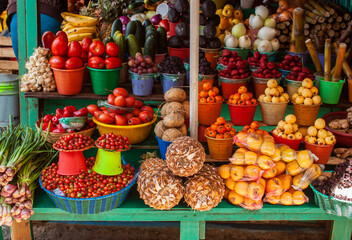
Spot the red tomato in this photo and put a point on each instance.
(112, 63)
(57, 62)
(97, 48)
(90, 55)
(134, 121)
(147, 108)
(74, 49)
(97, 114)
(120, 92)
(70, 109)
(165, 24)
(59, 47)
(73, 63)
(92, 108)
(120, 120)
(112, 115)
(112, 49)
(106, 118)
(84, 57)
(146, 116)
(136, 112)
(96, 62)
(86, 43)
(129, 115)
(63, 35)
(130, 101)
(120, 101)
(111, 99)
(59, 113)
(138, 104)
(67, 114)
(47, 39)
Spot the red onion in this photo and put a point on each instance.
(7, 190)
(125, 20)
(156, 19)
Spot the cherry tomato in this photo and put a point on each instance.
(63, 35)
(120, 120)
(85, 44)
(112, 49)
(47, 39)
(96, 62)
(138, 104)
(146, 116)
(57, 62)
(111, 99)
(147, 108)
(112, 63)
(97, 48)
(120, 101)
(59, 47)
(130, 101)
(73, 63)
(74, 49)
(106, 118)
(120, 91)
(134, 121)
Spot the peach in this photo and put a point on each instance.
(286, 96)
(236, 172)
(320, 141)
(252, 172)
(322, 133)
(283, 147)
(255, 191)
(226, 194)
(254, 142)
(275, 99)
(268, 138)
(291, 137)
(286, 181)
(238, 158)
(241, 188)
(299, 198)
(288, 155)
(293, 168)
(283, 99)
(290, 119)
(261, 97)
(242, 150)
(272, 199)
(235, 198)
(280, 167)
(267, 98)
(311, 140)
(277, 155)
(262, 182)
(300, 181)
(307, 93)
(307, 83)
(294, 97)
(281, 89)
(274, 186)
(330, 140)
(230, 183)
(265, 162)
(286, 199)
(269, 173)
(250, 158)
(268, 148)
(298, 135)
(224, 171)
(295, 127)
(314, 91)
(304, 158)
(267, 91)
(303, 130)
(300, 90)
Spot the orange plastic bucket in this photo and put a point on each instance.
(323, 152)
(201, 132)
(220, 149)
(230, 86)
(69, 82)
(204, 79)
(179, 52)
(71, 163)
(242, 114)
(208, 113)
(212, 56)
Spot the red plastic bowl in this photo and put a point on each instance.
(294, 144)
(342, 139)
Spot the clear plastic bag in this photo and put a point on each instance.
(246, 203)
(252, 190)
(259, 143)
(278, 185)
(302, 180)
(277, 170)
(240, 173)
(290, 198)
(245, 157)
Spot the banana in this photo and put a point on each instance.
(65, 14)
(96, 39)
(67, 27)
(80, 22)
(79, 36)
(81, 30)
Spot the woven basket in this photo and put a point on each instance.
(53, 137)
(92, 205)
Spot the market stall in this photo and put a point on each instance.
(225, 117)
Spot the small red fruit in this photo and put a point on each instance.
(120, 101)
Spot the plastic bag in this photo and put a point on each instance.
(263, 144)
(240, 173)
(289, 198)
(252, 190)
(245, 157)
(246, 203)
(302, 180)
(277, 170)
(304, 160)
(278, 185)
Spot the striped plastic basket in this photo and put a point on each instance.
(91, 205)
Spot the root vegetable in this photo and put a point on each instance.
(174, 120)
(186, 107)
(183, 130)
(159, 129)
(171, 134)
(163, 109)
(174, 107)
(175, 95)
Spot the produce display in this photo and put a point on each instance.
(307, 94)
(142, 64)
(257, 60)
(299, 74)
(289, 63)
(220, 130)
(209, 94)
(266, 70)
(172, 65)
(97, 50)
(242, 97)
(274, 93)
(236, 68)
(288, 128)
(111, 142)
(254, 128)
(73, 142)
(204, 66)
(318, 135)
(210, 20)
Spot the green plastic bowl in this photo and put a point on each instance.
(243, 53)
(104, 81)
(330, 92)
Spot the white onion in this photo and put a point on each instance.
(231, 41)
(270, 22)
(262, 11)
(245, 42)
(265, 46)
(256, 22)
(266, 33)
(256, 43)
(275, 44)
(238, 30)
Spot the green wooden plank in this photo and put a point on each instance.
(202, 230)
(341, 230)
(189, 230)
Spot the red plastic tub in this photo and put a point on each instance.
(230, 86)
(323, 152)
(242, 114)
(342, 139)
(294, 144)
(201, 132)
(172, 27)
(179, 52)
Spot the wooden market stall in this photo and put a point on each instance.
(192, 223)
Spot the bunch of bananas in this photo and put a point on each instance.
(78, 27)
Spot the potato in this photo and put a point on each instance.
(171, 134)
(175, 107)
(186, 108)
(163, 110)
(159, 129)
(175, 95)
(183, 129)
(174, 120)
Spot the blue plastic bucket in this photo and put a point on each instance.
(162, 146)
(9, 99)
(142, 84)
(304, 56)
(187, 73)
(322, 60)
(284, 73)
(172, 80)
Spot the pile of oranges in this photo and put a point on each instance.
(242, 97)
(209, 94)
(220, 129)
(254, 128)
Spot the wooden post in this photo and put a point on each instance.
(194, 68)
(21, 231)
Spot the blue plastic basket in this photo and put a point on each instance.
(162, 146)
(91, 205)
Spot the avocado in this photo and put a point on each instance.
(173, 16)
(209, 8)
(186, 17)
(186, 42)
(214, 20)
(202, 19)
(182, 30)
(214, 43)
(181, 6)
(174, 42)
(203, 42)
(209, 31)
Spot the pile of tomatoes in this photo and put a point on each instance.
(111, 142)
(254, 128)
(242, 97)
(87, 184)
(209, 94)
(220, 129)
(135, 114)
(101, 56)
(73, 142)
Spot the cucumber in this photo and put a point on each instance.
(133, 46)
(150, 46)
(162, 40)
(140, 33)
(108, 39)
(130, 28)
(150, 27)
(120, 40)
(151, 31)
(146, 23)
(116, 26)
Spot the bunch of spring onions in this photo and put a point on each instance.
(24, 153)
